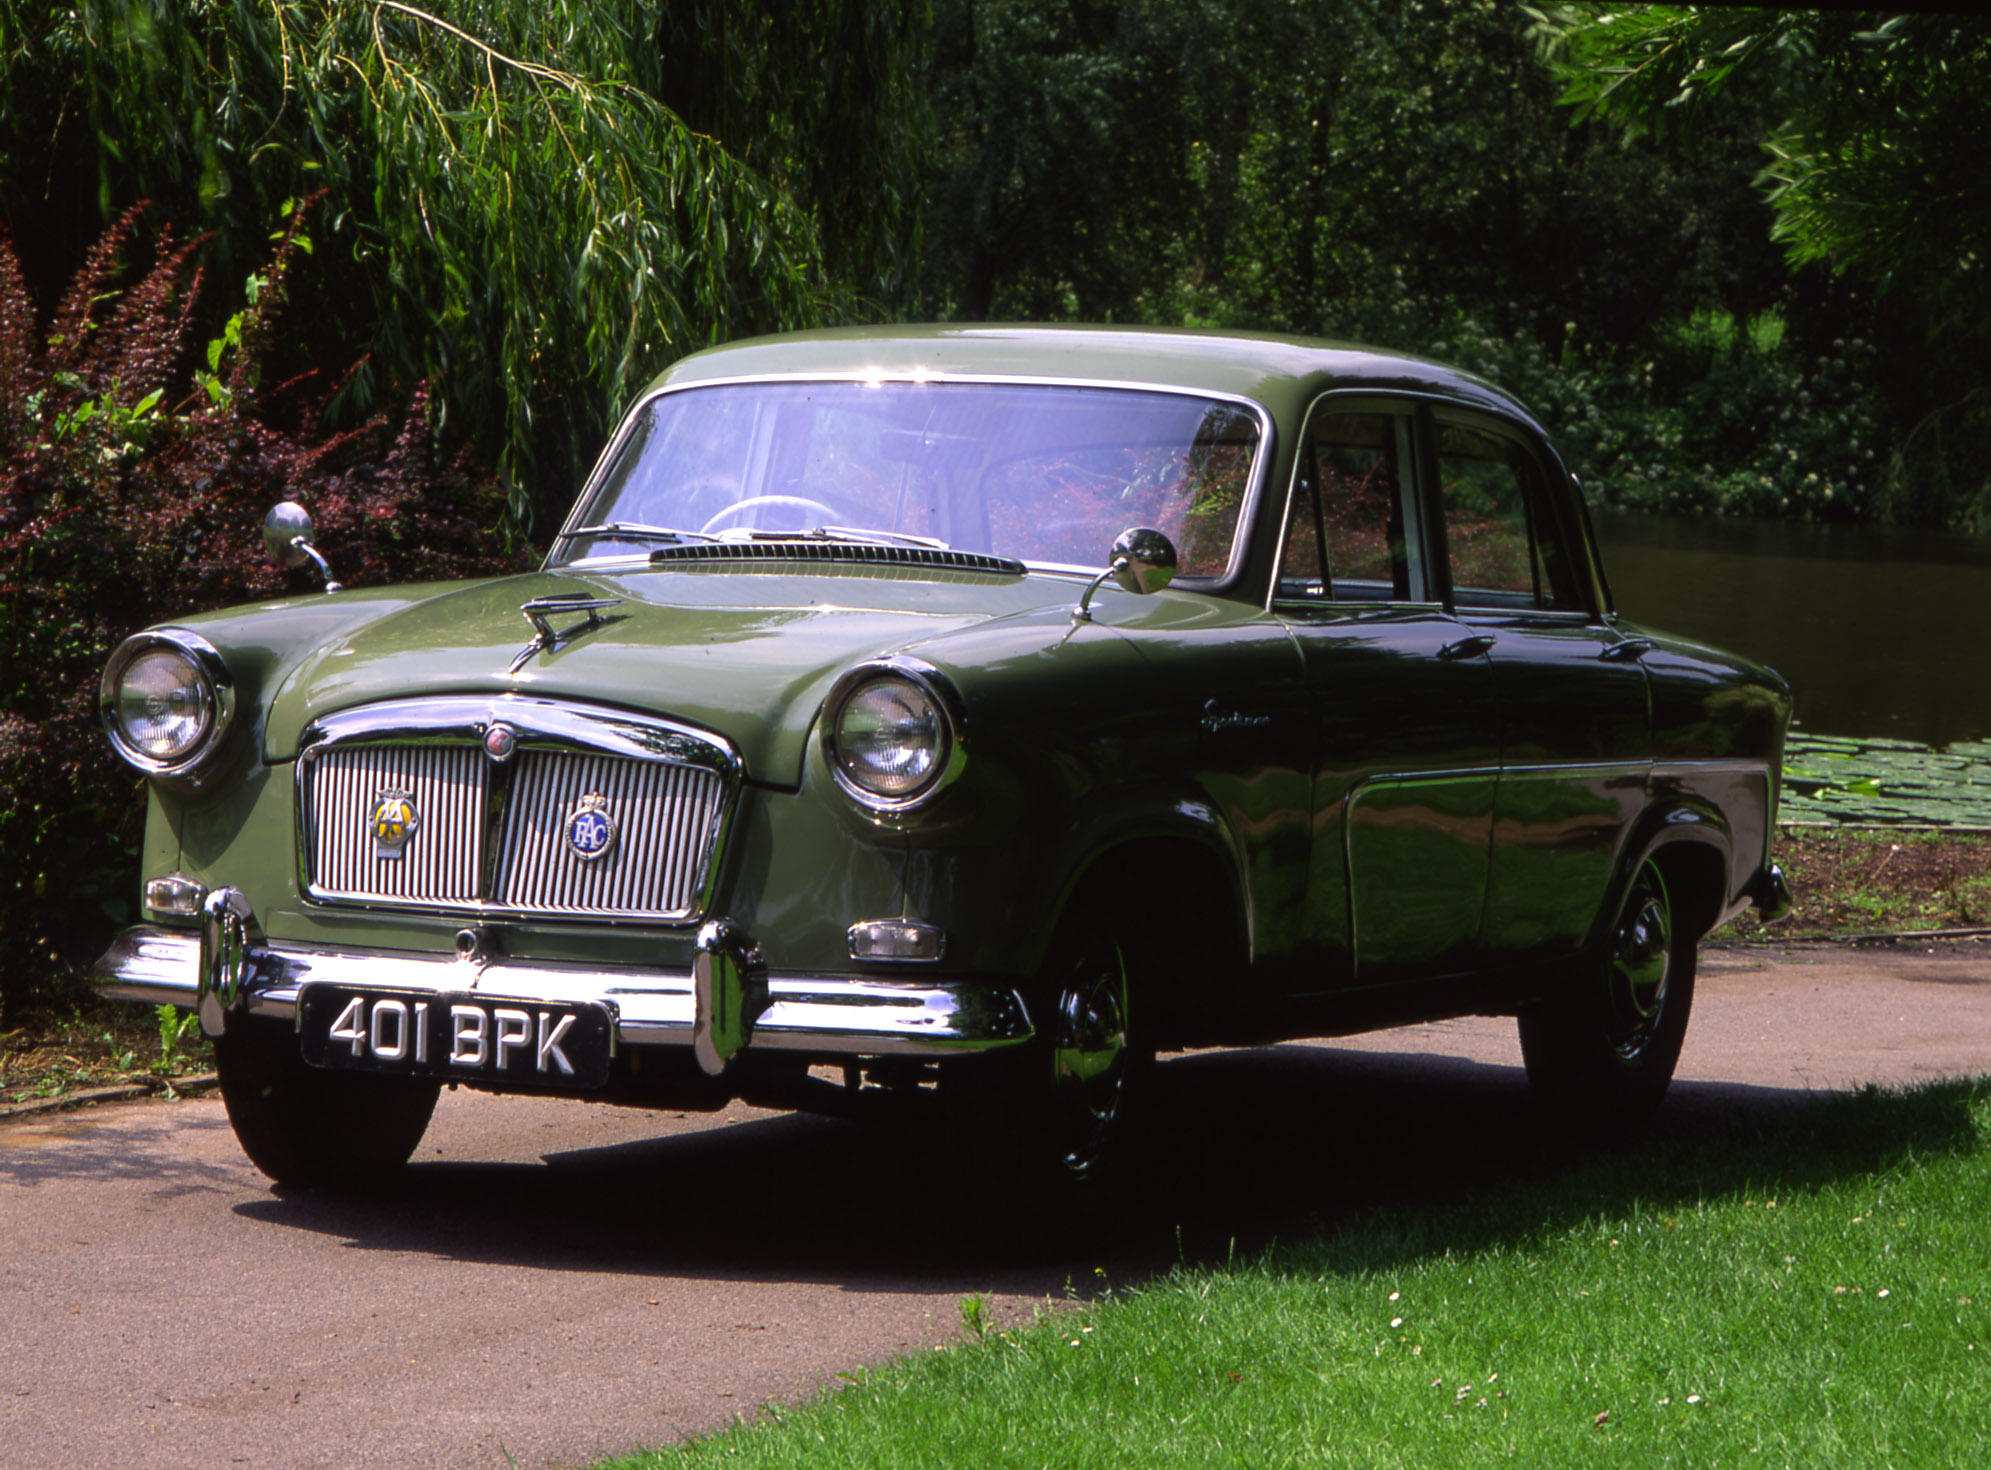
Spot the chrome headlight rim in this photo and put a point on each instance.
(937, 692)
(217, 696)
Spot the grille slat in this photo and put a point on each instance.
(436, 863)
(666, 816)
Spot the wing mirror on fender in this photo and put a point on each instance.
(287, 531)
(1143, 561)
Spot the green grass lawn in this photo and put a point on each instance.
(1808, 1286)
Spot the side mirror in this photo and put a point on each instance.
(1143, 561)
(287, 532)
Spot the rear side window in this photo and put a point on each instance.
(1501, 537)
(1346, 538)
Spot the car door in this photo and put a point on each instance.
(1574, 717)
(1400, 704)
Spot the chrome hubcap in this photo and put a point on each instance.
(1089, 1059)
(1641, 960)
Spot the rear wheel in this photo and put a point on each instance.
(1610, 1045)
(304, 1126)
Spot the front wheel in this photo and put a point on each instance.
(304, 1126)
(1044, 1130)
(1609, 1045)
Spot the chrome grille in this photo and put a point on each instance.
(664, 816)
(492, 834)
(438, 863)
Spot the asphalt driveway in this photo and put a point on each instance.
(557, 1281)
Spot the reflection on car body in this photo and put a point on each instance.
(983, 707)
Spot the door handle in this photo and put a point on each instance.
(1630, 649)
(1471, 647)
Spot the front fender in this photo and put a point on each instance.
(1000, 902)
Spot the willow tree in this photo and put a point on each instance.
(532, 204)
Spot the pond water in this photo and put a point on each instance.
(1880, 632)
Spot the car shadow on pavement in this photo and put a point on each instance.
(1242, 1149)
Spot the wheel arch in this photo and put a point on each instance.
(1177, 905)
(1691, 843)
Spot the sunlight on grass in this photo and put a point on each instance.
(1800, 1288)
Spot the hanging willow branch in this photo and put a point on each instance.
(513, 207)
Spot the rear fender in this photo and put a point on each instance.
(1691, 840)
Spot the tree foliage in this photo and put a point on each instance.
(1411, 174)
(131, 487)
(515, 207)
(535, 207)
(1400, 174)
(1349, 168)
(1874, 127)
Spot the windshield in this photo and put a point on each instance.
(1043, 474)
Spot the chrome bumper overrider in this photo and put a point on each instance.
(724, 1006)
(1771, 893)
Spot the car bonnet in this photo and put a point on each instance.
(746, 656)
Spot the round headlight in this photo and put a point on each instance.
(889, 739)
(166, 700)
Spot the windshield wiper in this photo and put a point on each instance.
(633, 531)
(862, 537)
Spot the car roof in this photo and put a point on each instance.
(1277, 371)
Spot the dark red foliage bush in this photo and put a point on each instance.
(135, 470)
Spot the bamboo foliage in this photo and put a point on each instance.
(510, 207)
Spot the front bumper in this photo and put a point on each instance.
(723, 1006)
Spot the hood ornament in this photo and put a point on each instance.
(541, 611)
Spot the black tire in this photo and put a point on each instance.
(1606, 1048)
(1043, 1133)
(306, 1127)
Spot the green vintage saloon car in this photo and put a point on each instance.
(961, 709)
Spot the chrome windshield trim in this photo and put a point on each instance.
(1255, 482)
(806, 551)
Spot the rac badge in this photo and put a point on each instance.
(392, 821)
(590, 830)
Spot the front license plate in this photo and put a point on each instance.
(459, 1037)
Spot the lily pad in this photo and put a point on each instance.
(1838, 778)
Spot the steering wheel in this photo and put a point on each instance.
(703, 490)
(754, 502)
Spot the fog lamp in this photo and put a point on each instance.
(175, 896)
(896, 940)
